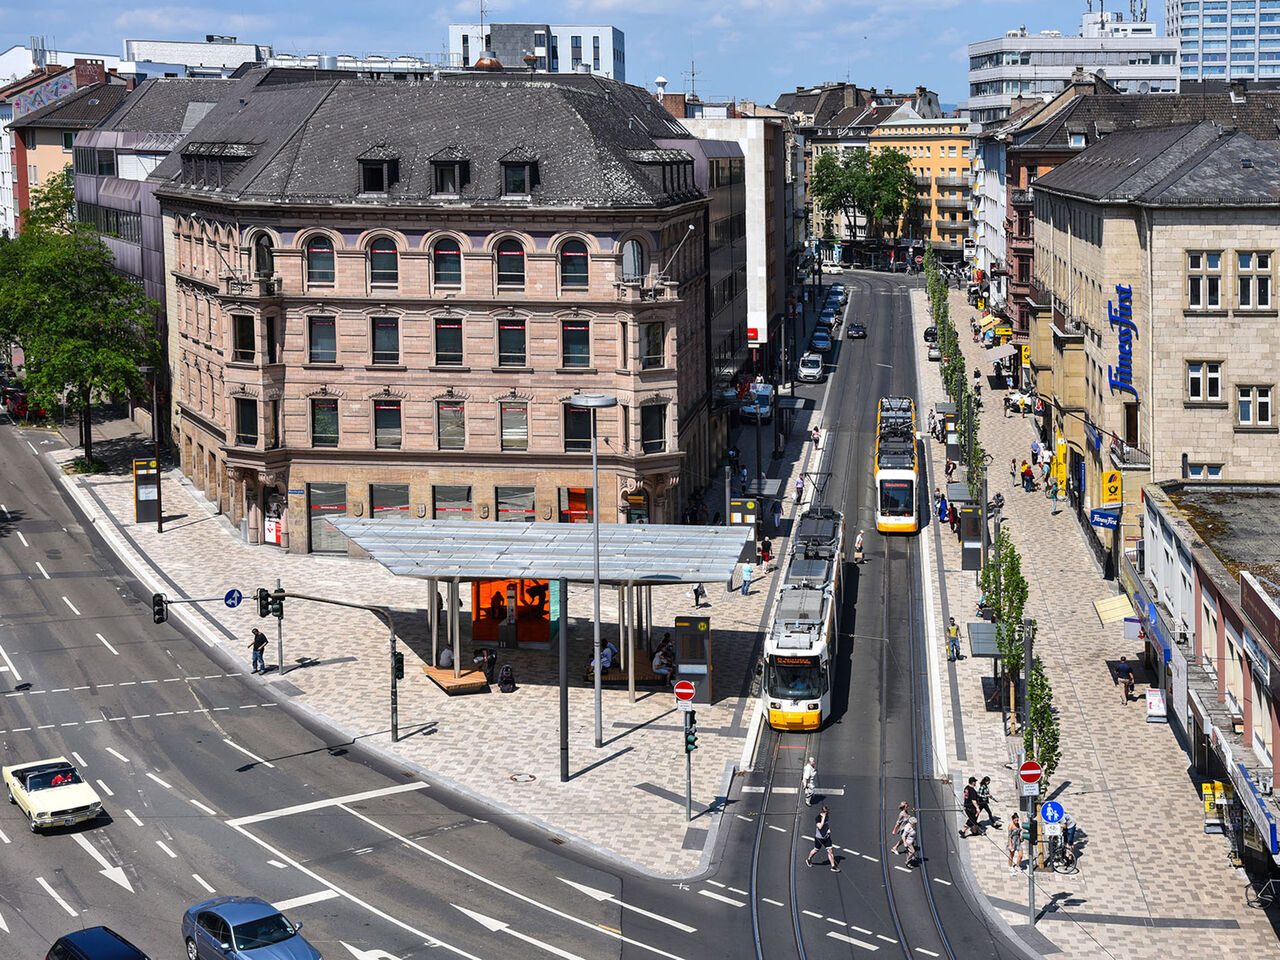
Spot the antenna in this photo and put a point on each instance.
(691, 81)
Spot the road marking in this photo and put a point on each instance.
(853, 940)
(786, 789)
(716, 883)
(131, 816)
(499, 926)
(4, 837)
(115, 874)
(860, 929)
(602, 895)
(4, 926)
(9, 663)
(152, 776)
(903, 869)
(128, 683)
(37, 453)
(105, 789)
(23, 539)
(161, 845)
(167, 713)
(927, 953)
(752, 789)
(40, 567)
(772, 826)
(71, 605)
(277, 864)
(741, 817)
(145, 682)
(715, 896)
(322, 804)
(53, 893)
(811, 913)
(306, 900)
(251, 756)
(5, 510)
(200, 880)
(200, 806)
(776, 903)
(866, 857)
(940, 880)
(78, 759)
(736, 890)
(881, 936)
(107, 645)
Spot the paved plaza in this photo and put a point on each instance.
(1151, 882)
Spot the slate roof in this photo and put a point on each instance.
(799, 101)
(163, 105)
(306, 137)
(85, 108)
(1185, 165)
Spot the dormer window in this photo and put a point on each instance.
(379, 176)
(519, 173)
(451, 176)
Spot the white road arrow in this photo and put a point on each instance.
(115, 874)
(497, 926)
(368, 954)
(602, 895)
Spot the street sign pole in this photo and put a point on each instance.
(279, 636)
(688, 775)
(1028, 640)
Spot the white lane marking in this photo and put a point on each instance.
(107, 645)
(321, 804)
(501, 926)
(903, 869)
(37, 453)
(5, 510)
(306, 900)
(811, 913)
(40, 567)
(716, 883)
(940, 880)
(860, 929)
(439, 858)
(786, 789)
(131, 816)
(118, 756)
(145, 682)
(23, 539)
(71, 605)
(838, 923)
(881, 936)
(927, 953)
(776, 903)
(152, 776)
(115, 874)
(4, 926)
(128, 683)
(715, 896)
(252, 756)
(161, 845)
(4, 837)
(774, 827)
(9, 663)
(853, 940)
(866, 857)
(200, 806)
(602, 895)
(736, 890)
(78, 759)
(105, 789)
(752, 789)
(200, 880)
(277, 864)
(57, 899)
(741, 817)
(430, 940)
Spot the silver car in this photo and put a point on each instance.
(242, 928)
(811, 368)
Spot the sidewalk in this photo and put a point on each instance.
(1151, 882)
(626, 799)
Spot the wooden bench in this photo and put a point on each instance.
(644, 675)
(470, 681)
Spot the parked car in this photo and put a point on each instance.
(51, 793)
(820, 341)
(934, 352)
(838, 287)
(832, 268)
(930, 334)
(828, 319)
(811, 369)
(857, 331)
(242, 928)
(94, 943)
(758, 404)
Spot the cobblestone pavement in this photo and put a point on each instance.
(627, 798)
(1151, 882)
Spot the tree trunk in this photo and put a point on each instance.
(86, 426)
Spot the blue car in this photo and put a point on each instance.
(242, 928)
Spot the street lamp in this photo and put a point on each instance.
(149, 371)
(594, 402)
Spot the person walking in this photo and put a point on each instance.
(815, 435)
(970, 804)
(933, 424)
(985, 800)
(857, 548)
(776, 515)
(746, 579)
(1015, 844)
(950, 469)
(766, 552)
(258, 645)
(1013, 471)
(953, 640)
(1124, 674)
(1053, 493)
(822, 840)
(904, 814)
(809, 779)
(799, 488)
(911, 842)
(699, 594)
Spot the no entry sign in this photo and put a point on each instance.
(1030, 772)
(685, 690)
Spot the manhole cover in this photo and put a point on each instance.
(523, 778)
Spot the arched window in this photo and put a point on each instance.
(573, 264)
(320, 260)
(632, 260)
(384, 263)
(511, 263)
(446, 259)
(264, 257)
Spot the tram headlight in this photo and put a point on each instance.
(775, 705)
(815, 706)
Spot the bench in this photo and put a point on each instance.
(644, 675)
(470, 681)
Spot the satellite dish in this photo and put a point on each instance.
(1144, 87)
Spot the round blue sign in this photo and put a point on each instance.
(233, 598)
(1051, 812)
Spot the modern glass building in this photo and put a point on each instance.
(1226, 39)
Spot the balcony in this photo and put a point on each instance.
(922, 179)
(251, 288)
(1019, 244)
(951, 226)
(963, 181)
(952, 203)
(1020, 198)
(1129, 458)
(648, 290)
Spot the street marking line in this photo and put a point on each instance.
(752, 789)
(860, 929)
(737, 891)
(603, 895)
(903, 869)
(811, 913)
(23, 539)
(940, 880)
(322, 804)
(251, 756)
(715, 896)
(37, 453)
(773, 826)
(776, 903)
(881, 936)
(200, 880)
(57, 899)
(128, 683)
(306, 900)
(71, 605)
(866, 857)
(741, 817)
(5, 510)
(716, 883)
(927, 953)
(277, 864)
(853, 940)
(786, 789)
(105, 789)
(4, 837)
(106, 644)
(161, 845)
(130, 814)
(145, 682)
(78, 759)
(152, 776)
(9, 663)
(40, 567)
(209, 810)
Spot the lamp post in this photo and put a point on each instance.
(149, 371)
(594, 402)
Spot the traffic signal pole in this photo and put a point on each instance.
(280, 631)
(1028, 638)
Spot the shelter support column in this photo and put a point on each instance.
(627, 622)
(433, 619)
(454, 622)
(563, 633)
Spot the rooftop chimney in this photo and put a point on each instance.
(661, 83)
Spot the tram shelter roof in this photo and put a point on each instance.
(650, 554)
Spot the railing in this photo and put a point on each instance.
(1020, 198)
(950, 180)
(953, 203)
(647, 290)
(965, 223)
(1127, 457)
(263, 286)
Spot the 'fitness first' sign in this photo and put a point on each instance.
(1120, 377)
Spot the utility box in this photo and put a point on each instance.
(970, 527)
(693, 655)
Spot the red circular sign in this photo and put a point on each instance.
(919, 259)
(685, 690)
(1029, 772)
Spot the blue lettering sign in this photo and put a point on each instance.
(1120, 377)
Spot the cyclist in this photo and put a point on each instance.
(1068, 837)
(1124, 673)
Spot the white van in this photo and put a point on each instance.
(758, 403)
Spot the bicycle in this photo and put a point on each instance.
(1059, 858)
(1262, 896)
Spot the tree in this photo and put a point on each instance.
(53, 204)
(830, 186)
(1040, 737)
(894, 187)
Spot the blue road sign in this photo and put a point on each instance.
(233, 598)
(1051, 812)
(1106, 519)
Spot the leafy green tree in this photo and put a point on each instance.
(829, 186)
(894, 187)
(53, 204)
(1040, 736)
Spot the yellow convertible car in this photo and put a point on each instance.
(51, 793)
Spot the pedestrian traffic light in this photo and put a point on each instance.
(263, 597)
(277, 604)
(398, 665)
(690, 732)
(159, 609)
(1026, 831)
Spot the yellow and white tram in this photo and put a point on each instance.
(897, 469)
(800, 647)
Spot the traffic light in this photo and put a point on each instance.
(1026, 830)
(398, 665)
(263, 597)
(277, 604)
(159, 609)
(690, 732)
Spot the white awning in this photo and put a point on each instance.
(999, 353)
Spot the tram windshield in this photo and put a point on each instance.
(794, 678)
(897, 498)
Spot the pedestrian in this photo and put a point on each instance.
(933, 424)
(970, 804)
(1053, 491)
(1035, 451)
(951, 469)
(985, 799)
(942, 509)
(699, 594)
(799, 488)
(911, 841)
(809, 779)
(1069, 836)
(904, 814)
(953, 640)
(742, 480)
(1013, 471)
(766, 551)
(746, 579)
(814, 436)
(1015, 844)
(1008, 381)
(776, 515)
(857, 548)
(1124, 674)
(718, 519)
(953, 516)
(258, 644)
(822, 840)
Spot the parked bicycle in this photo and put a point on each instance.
(1262, 895)
(1060, 857)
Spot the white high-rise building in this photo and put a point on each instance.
(1226, 39)
(555, 47)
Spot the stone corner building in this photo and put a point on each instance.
(383, 295)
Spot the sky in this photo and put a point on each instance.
(742, 49)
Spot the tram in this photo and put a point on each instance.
(897, 469)
(800, 648)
